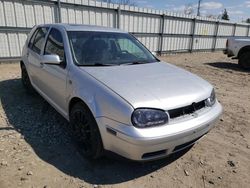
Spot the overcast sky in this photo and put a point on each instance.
(238, 10)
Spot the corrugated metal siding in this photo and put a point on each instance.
(145, 23)
(88, 16)
(205, 28)
(241, 31)
(139, 23)
(25, 13)
(203, 43)
(176, 43)
(4, 47)
(225, 30)
(221, 43)
(172, 26)
(11, 43)
(150, 42)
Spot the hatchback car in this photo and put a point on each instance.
(115, 93)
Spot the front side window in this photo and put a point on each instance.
(39, 39)
(106, 48)
(54, 44)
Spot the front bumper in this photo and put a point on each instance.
(157, 142)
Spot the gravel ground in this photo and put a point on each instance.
(36, 150)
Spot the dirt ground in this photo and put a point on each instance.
(36, 150)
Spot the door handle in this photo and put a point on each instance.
(41, 64)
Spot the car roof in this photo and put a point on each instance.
(81, 27)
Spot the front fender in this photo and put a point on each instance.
(101, 100)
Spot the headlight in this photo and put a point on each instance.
(212, 99)
(143, 117)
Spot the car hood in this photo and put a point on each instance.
(153, 85)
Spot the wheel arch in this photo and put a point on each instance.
(98, 136)
(75, 100)
(244, 50)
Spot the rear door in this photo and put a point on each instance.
(35, 47)
(53, 78)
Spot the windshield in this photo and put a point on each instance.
(105, 48)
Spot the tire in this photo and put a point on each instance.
(85, 131)
(26, 80)
(244, 60)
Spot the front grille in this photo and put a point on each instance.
(186, 110)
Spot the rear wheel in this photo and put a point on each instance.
(244, 60)
(85, 131)
(26, 80)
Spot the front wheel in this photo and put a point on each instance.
(85, 131)
(26, 80)
(244, 60)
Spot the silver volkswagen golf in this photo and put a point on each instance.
(115, 93)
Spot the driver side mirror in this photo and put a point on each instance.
(51, 59)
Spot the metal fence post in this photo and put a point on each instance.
(161, 30)
(248, 30)
(215, 35)
(234, 30)
(59, 11)
(118, 17)
(192, 36)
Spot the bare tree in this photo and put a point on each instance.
(225, 15)
(189, 9)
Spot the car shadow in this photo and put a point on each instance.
(46, 132)
(227, 65)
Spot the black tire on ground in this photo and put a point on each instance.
(244, 60)
(85, 131)
(26, 80)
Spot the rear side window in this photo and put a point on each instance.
(38, 39)
(32, 39)
(54, 44)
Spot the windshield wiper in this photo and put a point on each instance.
(98, 64)
(135, 63)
